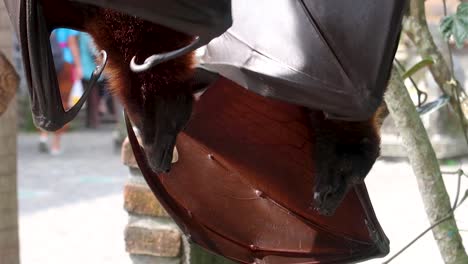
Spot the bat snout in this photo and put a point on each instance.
(160, 150)
(160, 157)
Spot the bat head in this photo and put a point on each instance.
(159, 124)
(344, 154)
(159, 100)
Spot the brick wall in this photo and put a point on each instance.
(150, 236)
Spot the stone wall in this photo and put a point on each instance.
(9, 241)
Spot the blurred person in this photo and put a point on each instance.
(99, 96)
(87, 55)
(68, 71)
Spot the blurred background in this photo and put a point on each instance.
(71, 184)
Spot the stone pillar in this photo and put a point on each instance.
(150, 236)
(9, 241)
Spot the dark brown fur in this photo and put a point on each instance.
(344, 154)
(123, 37)
(158, 101)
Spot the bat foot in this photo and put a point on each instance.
(327, 198)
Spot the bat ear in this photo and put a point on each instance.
(203, 79)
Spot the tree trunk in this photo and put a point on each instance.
(9, 249)
(426, 168)
(9, 241)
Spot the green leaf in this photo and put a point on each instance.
(450, 162)
(418, 66)
(456, 25)
(463, 9)
(446, 26)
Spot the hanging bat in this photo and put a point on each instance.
(159, 100)
(164, 93)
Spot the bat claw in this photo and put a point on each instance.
(156, 59)
(328, 199)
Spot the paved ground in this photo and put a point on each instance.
(71, 205)
(397, 203)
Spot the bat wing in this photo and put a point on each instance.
(330, 55)
(33, 31)
(242, 186)
(204, 18)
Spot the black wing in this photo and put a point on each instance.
(331, 55)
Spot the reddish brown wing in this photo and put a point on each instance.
(242, 186)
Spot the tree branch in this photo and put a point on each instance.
(415, 26)
(426, 168)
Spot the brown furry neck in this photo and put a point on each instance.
(124, 37)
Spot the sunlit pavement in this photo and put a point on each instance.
(399, 208)
(71, 205)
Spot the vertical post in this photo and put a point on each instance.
(150, 235)
(9, 241)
